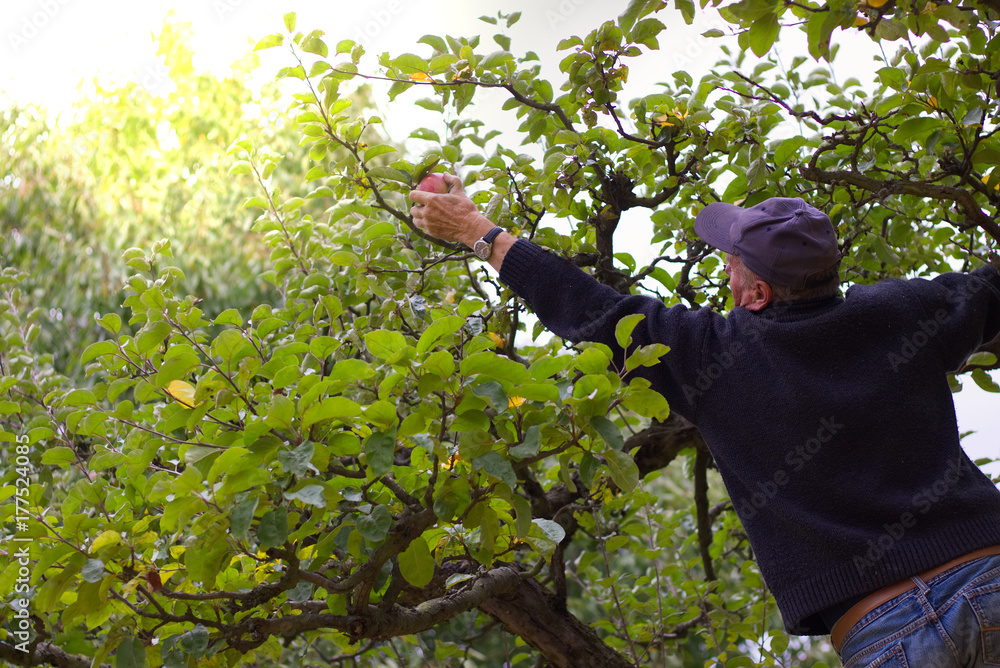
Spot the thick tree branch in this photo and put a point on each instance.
(565, 641)
(962, 197)
(376, 623)
(661, 442)
(701, 459)
(44, 654)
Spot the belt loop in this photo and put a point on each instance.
(920, 584)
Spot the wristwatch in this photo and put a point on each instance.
(484, 247)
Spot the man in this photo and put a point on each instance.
(830, 419)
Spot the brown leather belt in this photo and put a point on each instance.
(869, 603)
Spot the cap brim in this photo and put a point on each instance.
(714, 222)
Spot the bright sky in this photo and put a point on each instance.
(47, 47)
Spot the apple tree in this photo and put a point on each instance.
(388, 462)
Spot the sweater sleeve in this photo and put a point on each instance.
(961, 312)
(573, 305)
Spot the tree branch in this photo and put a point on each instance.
(960, 196)
(701, 459)
(44, 654)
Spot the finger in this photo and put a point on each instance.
(454, 183)
(417, 211)
(421, 197)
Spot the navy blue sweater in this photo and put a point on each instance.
(831, 420)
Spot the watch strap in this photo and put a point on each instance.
(492, 234)
(483, 248)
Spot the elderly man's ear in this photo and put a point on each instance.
(757, 297)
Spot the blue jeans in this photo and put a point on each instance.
(950, 621)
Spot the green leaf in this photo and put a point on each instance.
(98, 349)
(130, 653)
(609, 431)
(242, 517)
(331, 408)
(380, 149)
(59, 456)
(552, 530)
(310, 495)
(79, 398)
(151, 336)
(494, 464)
(530, 445)
(437, 330)
(313, 44)
(625, 327)
(375, 527)
(228, 344)
(416, 563)
(985, 381)
(379, 449)
(281, 412)
(297, 461)
(492, 392)
(647, 403)
(272, 530)
(195, 641)
(290, 21)
(912, 128)
(435, 42)
(788, 148)
(93, 570)
(763, 33)
(982, 358)
(110, 322)
(488, 363)
(270, 41)
(384, 343)
(229, 317)
(623, 470)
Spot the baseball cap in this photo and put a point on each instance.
(783, 240)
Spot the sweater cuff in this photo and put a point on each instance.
(518, 264)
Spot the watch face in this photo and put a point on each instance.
(482, 249)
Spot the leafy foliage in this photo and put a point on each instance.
(327, 454)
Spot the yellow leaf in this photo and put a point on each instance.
(497, 339)
(986, 180)
(107, 538)
(860, 21)
(514, 402)
(421, 76)
(182, 391)
(933, 102)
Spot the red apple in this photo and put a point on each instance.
(433, 183)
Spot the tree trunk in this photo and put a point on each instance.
(563, 640)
